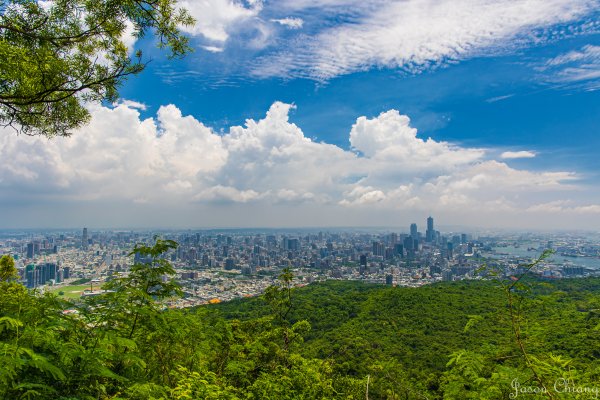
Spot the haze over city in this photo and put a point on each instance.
(349, 113)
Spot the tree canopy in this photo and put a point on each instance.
(329, 340)
(7, 268)
(57, 55)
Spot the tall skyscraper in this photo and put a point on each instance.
(413, 231)
(430, 233)
(30, 250)
(84, 239)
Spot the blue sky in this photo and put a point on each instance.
(338, 113)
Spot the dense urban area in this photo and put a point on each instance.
(219, 265)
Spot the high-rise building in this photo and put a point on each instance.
(430, 232)
(294, 244)
(399, 249)
(378, 249)
(30, 250)
(30, 275)
(363, 260)
(84, 239)
(413, 231)
(410, 246)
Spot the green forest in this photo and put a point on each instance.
(486, 339)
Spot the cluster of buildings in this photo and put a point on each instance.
(219, 265)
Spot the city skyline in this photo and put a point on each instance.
(336, 114)
(219, 265)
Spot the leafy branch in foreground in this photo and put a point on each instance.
(148, 283)
(279, 297)
(59, 55)
(515, 291)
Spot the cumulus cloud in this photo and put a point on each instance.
(118, 156)
(273, 153)
(214, 18)
(416, 34)
(518, 154)
(173, 161)
(390, 137)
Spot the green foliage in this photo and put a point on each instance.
(150, 281)
(452, 340)
(191, 385)
(332, 340)
(279, 297)
(60, 55)
(7, 268)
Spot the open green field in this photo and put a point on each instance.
(71, 291)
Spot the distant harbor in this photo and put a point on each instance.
(558, 258)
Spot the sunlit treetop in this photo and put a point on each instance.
(59, 55)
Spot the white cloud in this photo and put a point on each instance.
(213, 49)
(227, 194)
(390, 137)
(118, 156)
(587, 53)
(261, 36)
(518, 154)
(174, 162)
(273, 154)
(306, 4)
(292, 23)
(499, 98)
(131, 104)
(588, 209)
(580, 67)
(564, 206)
(359, 196)
(416, 34)
(128, 37)
(214, 18)
(494, 177)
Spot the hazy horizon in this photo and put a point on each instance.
(308, 229)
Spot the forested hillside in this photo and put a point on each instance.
(448, 340)
(461, 340)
